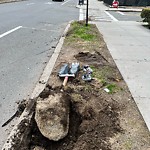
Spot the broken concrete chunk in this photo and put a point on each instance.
(52, 116)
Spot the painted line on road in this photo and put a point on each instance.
(47, 30)
(81, 14)
(112, 17)
(10, 31)
(48, 3)
(31, 4)
(65, 2)
(119, 12)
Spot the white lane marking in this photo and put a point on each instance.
(81, 15)
(31, 4)
(39, 29)
(10, 31)
(112, 17)
(49, 3)
(120, 13)
(65, 2)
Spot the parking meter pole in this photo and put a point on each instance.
(87, 7)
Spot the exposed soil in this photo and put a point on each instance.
(99, 120)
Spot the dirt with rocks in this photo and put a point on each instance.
(103, 114)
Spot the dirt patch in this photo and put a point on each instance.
(92, 121)
(99, 119)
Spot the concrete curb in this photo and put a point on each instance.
(48, 69)
(124, 9)
(28, 113)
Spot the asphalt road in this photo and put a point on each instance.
(105, 15)
(28, 32)
(126, 16)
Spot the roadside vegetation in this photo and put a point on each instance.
(82, 32)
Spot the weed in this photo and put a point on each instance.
(112, 88)
(102, 76)
(99, 74)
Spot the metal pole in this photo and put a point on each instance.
(87, 7)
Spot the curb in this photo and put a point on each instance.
(27, 114)
(49, 67)
(124, 10)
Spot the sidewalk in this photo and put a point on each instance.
(128, 43)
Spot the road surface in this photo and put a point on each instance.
(29, 32)
(126, 16)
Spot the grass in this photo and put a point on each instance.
(83, 37)
(102, 73)
(81, 31)
(102, 76)
(97, 74)
(113, 88)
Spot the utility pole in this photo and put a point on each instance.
(87, 7)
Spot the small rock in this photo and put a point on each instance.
(52, 116)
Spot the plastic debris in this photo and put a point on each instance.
(87, 75)
(107, 90)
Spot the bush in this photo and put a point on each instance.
(146, 15)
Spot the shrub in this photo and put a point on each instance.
(146, 15)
